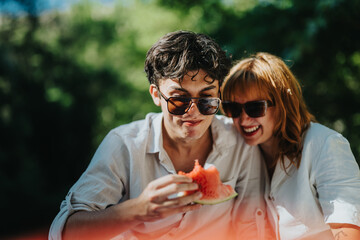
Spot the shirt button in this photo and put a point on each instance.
(259, 212)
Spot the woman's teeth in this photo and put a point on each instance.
(251, 129)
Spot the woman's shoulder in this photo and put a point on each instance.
(320, 140)
(318, 132)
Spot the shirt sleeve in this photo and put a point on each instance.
(338, 182)
(99, 187)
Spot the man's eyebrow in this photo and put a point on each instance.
(178, 89)
(202, 90)
(208, 88)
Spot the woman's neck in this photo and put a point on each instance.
(269, 154)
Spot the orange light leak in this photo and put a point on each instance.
(99, 235)
(41, 234)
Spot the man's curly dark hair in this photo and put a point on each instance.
(177, 53)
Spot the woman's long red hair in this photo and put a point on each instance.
(272, 79)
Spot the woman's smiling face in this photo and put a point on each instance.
(256, 131)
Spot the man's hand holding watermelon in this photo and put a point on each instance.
(156, 201)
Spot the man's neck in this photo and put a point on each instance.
(184, 153)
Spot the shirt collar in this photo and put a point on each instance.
(155, 138)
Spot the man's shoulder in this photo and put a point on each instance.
(225, 133)
(224, 127)
(224, 122)
(138, 126)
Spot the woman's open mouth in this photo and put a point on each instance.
(250, 131)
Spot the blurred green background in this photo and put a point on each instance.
(69, 76)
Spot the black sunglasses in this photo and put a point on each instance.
(181, 105)
(253, 109)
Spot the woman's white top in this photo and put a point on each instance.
(325, 189)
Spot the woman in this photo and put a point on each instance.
(314, 180)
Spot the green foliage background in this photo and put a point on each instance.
(67, 78)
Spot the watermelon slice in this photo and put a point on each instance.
(212, 189)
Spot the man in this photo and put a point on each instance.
(129, 190)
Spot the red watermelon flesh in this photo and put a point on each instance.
(210, 185)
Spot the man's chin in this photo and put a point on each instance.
(193, 135)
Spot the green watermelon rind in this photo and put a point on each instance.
(215, 201)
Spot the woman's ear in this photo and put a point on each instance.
(154, 92)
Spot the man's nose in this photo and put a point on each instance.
(193, 107)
